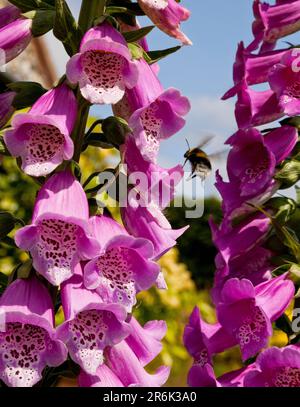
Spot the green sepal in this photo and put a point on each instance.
(42, 21)
(27, 93)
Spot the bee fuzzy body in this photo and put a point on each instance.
(200, 163)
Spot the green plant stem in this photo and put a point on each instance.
(80, 127)
(90, 10)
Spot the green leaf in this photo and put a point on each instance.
(291, 121)
(132, 36)
(7, 223)
(284, 207)
(42, 21)
(132, 8)
(28, 5)
(115, 10)
(27, 93)
(155, 56)
(76, 170)
(66, 28)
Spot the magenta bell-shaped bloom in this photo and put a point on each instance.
(59, 235)
(202, 341)
(42, 137)
(255, 265)
(237, 240)
(251, 68)
(152, 182)
(90, 324)
(276, 367)
(15, 36)
(284, 80)
(27, 336)
(160, 120)
(146, 341)
(122, 267)
(273, 22)
(167, 15)
(150, 223)
(125, 362)
(147, 89)
(8, 14)
(246, 312)
(255, 108)
(152, 113)
(6, 107)
(251, 167)
(103, 67)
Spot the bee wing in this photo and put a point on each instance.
(219, 155)
(206, 140)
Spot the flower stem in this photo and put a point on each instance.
(90, 10)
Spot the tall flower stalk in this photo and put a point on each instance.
(258, 254)
(90, 267)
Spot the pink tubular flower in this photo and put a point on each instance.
(147, 89)
(284, 80)
(27, 337)
(160, 120)
(202, 341)
(234, 205)
(276, 144)
(8, 14)
(246, 312)
(252, 69)
(14, 38)
(255, 108)
(152, 113)
(123, 267)
(237, 240)
(146, 341)
(167, 15)
(255, 265)
(276, 368)
(6, 107)
(42, 137)
(251, 166)
(103, 67)
(59, 236)
(152, 182)
(124, 363)
(273, 22)
(90, 324)
(150, 223)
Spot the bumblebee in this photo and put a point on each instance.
(200, 161)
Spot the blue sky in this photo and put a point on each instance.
(203, 72)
